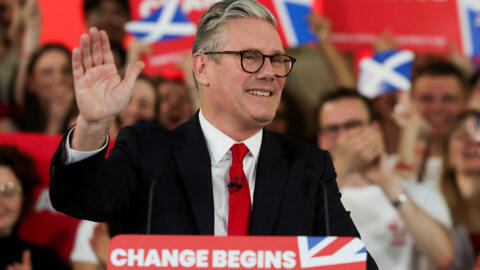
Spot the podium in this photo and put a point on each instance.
(235, 252)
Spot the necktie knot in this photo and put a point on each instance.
(239, 151)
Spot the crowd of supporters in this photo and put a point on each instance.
(407, 161)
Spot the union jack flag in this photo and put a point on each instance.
(292, 16)
(470, 25)
(385, 72)
(327, 252)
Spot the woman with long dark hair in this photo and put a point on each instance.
(48, 105)
(460, 184)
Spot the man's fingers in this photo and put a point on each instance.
(106, 50)
(15, 266)
(372, 150)
(132, 73)
(77, 67)
(26, 261)
(355, 137)
(85, 48)
(103, 228)
(96, 40)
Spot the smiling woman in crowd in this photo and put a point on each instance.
(461, 186)
(18, 179)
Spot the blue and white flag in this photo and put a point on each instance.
(292, 16)
(166, 23)
(385, 72)
(470, 25)
(331, 251)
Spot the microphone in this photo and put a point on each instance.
(150, 201)
(236, 186)
(315, 177)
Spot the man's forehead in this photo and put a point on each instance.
(343, 110)
(428, 82)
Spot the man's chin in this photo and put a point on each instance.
(261, 122)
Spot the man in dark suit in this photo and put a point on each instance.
(220, 173)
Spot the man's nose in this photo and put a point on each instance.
(267, 71)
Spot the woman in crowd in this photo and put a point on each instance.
(17, 181)
(460, 184)
(48, 104)
(141, 107)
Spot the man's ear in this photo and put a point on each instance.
(377, 125)
(200, 67)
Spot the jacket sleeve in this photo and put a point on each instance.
(96, 188)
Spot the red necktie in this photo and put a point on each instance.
(239, 199)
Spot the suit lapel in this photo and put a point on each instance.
(271, 179)
(193, 160)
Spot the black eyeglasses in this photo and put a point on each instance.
(252, 61)
(334, 129)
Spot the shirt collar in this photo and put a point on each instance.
(219, 144)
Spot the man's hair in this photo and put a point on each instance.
(474, 78)
(89, 5)
(440, 69)
(207, 37)
(345, 93)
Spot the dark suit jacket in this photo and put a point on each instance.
(286, 201)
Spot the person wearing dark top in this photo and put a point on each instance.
(17, 251)
(18, 178)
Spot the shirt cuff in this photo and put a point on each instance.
(73, 156)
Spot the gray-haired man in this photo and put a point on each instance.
(203, 185)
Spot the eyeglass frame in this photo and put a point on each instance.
(349, 125)
(10, 190)
(241, 53)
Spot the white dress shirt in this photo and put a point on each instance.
(218, 145)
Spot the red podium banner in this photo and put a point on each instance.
(241, 252)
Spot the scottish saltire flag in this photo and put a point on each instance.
(385, 72)
(292, 16)
(325, 252)
(166, 23)
(469, 14)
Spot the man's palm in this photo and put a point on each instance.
(99, 90)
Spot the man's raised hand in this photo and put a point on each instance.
(100, 92)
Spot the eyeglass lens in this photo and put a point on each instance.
(252, 61)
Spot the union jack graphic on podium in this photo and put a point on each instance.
(326, 252)
(292, 16)
(166, 23)
(385, 72)
(469, 14)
